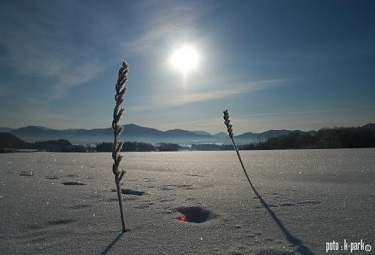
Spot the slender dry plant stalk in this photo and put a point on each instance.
(230, 132)
(117, 129)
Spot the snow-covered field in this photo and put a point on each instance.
(309, 200)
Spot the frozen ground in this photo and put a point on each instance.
(57, 203)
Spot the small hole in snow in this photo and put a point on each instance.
(194, 214)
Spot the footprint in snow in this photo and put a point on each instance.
(26, 173)
(73, 183)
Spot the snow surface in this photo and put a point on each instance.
(63, 203)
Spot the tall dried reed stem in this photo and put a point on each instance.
(230, 132)
(117, 129)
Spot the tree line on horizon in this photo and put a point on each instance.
(326, 138)
(138, 146)
(11, 143)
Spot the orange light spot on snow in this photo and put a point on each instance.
(182, 217)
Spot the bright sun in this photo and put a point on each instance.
(185, 59)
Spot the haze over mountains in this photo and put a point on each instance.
(137, 133)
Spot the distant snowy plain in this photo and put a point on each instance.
(307, 201)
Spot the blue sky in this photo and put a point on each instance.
(274, 64)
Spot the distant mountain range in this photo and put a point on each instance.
(137, 133)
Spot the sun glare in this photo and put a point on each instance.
(185, 59)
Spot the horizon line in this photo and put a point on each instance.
(273, 129)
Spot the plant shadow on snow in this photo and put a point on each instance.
(301, 248)
(109, 247)
(131, 192)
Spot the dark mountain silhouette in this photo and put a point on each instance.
(263, 136)
(325, 138)
(135, 133)
(370, 126)
(5, 129)
(131, 132)
(8, 140)
(201, 132)
(183, 133)
(135, 130)
(11, 143)
(221, 135)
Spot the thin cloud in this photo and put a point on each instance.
(308, 112)
(163, 26)
(220, 93)
(39, 47)
(2, 92)
(74, 76)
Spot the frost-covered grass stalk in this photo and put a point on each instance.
(230, 132)
(117, 129)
